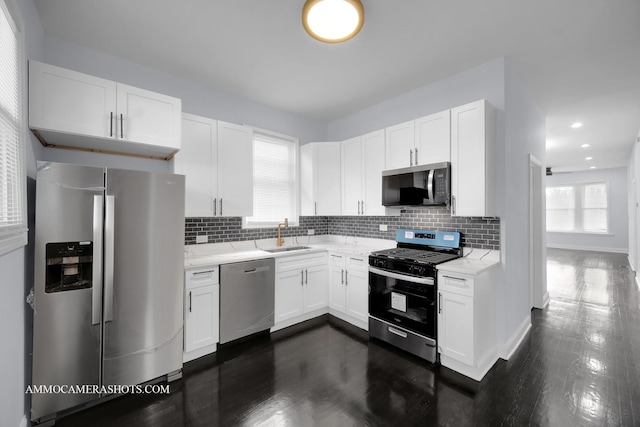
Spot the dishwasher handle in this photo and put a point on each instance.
(257, 270)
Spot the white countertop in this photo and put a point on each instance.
(209, 254)
(473, 262)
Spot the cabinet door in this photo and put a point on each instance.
(471, 165)
(433, 138)
(197, 160)
(307, 193)
(67, 101)
(357, 289)
(455, 326)
(327, 179)
(399, 145)
(373, 146)
(148, 117)
(289, 297)
(316, 291)
(201, 317)
(235, 170)
(351, 160)
(337, 295)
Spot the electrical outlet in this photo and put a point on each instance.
(383, 227)
(311, 232)
(201, 239)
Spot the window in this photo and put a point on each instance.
(578, 208)
(274, 180)
(12, 170)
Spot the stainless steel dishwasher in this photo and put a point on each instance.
(247, 292)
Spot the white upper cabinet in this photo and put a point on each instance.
(198, 160)
(76, 110)
(235, 170)
(472, 160)
(320, 179)
(400, 143)
(362, 165)
(433, 139)
(216, 158)
(373, 147)
(352, 176)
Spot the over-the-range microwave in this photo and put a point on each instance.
(426, 185)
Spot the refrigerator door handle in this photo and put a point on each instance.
(108, 258)
(96, 286)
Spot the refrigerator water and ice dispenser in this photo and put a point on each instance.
(69, 266)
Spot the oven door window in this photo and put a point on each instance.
(407, 304)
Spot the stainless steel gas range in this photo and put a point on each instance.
(403, 289)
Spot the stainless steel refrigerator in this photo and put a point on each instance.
(109, 256)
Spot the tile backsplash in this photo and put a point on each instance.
(477, 232)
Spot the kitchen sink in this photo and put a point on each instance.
(286, 249)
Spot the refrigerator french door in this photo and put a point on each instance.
(108, 280)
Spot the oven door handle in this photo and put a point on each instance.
(421, 280)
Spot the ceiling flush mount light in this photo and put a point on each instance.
(332, 21)
(584, 145)
(576, 125)
(588, 158)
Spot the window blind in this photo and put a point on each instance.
(12, 171)
(273, 180)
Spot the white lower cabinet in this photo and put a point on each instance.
(349, 288)
(201, 312)
(466, 322)
(301, 288)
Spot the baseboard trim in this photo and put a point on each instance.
(588, 248)
(512, 344)
(545, 301)
(300, 319)
(631, 263)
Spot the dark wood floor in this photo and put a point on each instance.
(580, 365)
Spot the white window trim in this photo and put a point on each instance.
(578, 209)
(15, 237)
(295, 221)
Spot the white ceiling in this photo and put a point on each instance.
(579, 59)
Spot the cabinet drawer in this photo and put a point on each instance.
(300, 261)
(357, 262)
(455, 283)
(201, 277)
(337, 259)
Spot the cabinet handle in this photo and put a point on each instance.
(453, 205)
(111, 124)
(439, 302)
(208, 272)
(306, 276)
(357, 259)
(416, 157)
(455, 278)
(220, 206)
(362, 207)
(189, 301)
(315, 208)
(411, 157)
(301, 277)
(215, 206)
(121, 126)
(346, 277)
(342, 277)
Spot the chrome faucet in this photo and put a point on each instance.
(286, 225)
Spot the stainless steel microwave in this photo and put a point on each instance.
(426, 185)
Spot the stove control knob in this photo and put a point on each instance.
(381, 263)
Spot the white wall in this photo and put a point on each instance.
(524, 135)
(617, 240)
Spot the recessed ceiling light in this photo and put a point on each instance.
(576, 125)
(588, 158)
(592, 167)
(332, 21)
(584, 145)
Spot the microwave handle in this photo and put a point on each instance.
(429, 182)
